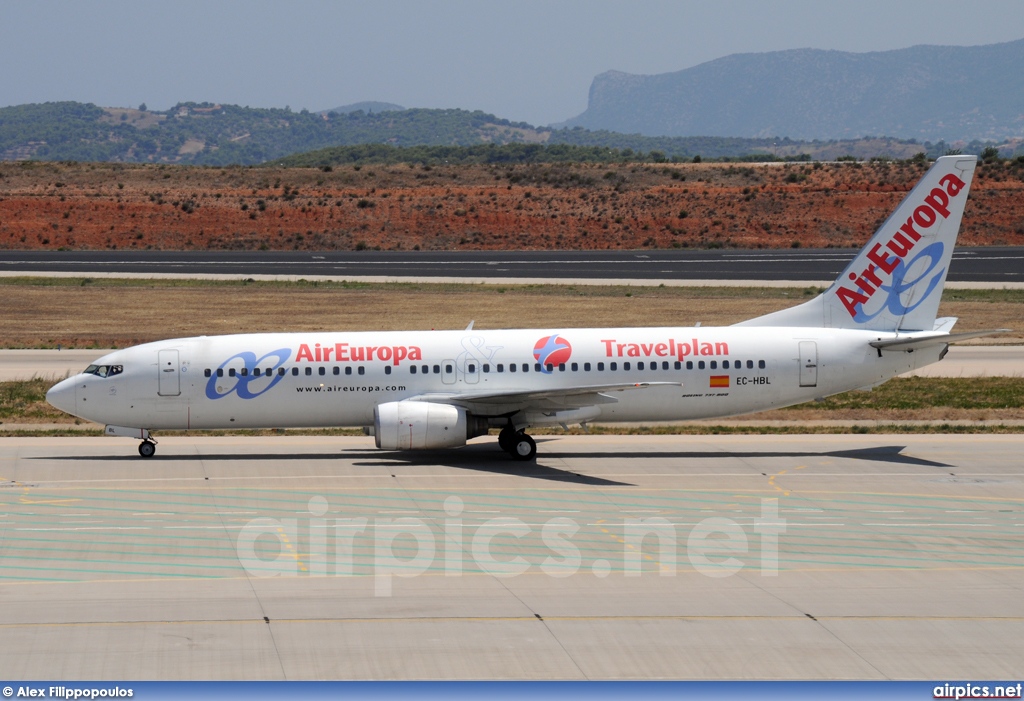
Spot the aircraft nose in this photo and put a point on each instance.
(62, 395)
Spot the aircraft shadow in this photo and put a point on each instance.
(490, 459)
(480, 458)
(892, 453)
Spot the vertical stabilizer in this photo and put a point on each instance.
(895, 282)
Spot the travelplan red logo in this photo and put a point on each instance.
(552, 350)
(892, 262)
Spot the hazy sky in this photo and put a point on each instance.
(526, 60)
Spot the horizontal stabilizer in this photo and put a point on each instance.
(925, 341)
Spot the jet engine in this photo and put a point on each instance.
(409, 425)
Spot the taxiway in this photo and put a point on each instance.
(693, 557)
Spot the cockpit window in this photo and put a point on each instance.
(104, 370)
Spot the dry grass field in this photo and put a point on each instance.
(44, 312)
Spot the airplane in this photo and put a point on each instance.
(439, 389)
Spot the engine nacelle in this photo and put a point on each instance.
(423, 425)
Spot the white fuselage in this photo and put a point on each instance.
(336, 379)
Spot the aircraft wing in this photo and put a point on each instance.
(497, 403)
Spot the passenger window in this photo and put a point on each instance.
(362, 370)
(337, 370)
(322, 370)
(449, 369)
(206, 372)
(387, 369)
(231, 372)
(640, 365)
(348, 370)
(725, 364)
(437, 369)
(487, 368)
(268, 372)
(244, 372)
(750, 365)
(760, 364)
(689, 365)
(220, 372)
(714, 364)
(425, 369)
(280, 371)
(549, 367)
(470, 368)
(295, 372)
(600, 367)
(536, 367)
(586, 367)
(309, 371)
(501, 367)
(613, 366)
(526, 367)
(625, 366)
(412, 369)
(678, 365)
(700, 364)
(511, 367)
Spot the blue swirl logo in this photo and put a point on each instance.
(897, 285)
(242, 383)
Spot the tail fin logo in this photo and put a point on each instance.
(897, 285)
(900, 245)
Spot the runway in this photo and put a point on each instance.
(961, 361)
(699, 557)
(982, 266)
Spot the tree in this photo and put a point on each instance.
(142, 107)
(990, 154)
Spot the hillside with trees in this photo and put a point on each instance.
(216, 135)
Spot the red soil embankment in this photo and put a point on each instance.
(404, 207)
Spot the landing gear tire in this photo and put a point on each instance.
(506, 439)
(147, 449)
(523, 448)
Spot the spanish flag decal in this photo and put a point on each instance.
(719, 380)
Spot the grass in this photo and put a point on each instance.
(909, 393)
(25, 401)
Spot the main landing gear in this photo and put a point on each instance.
(517, 444)
(147, 448)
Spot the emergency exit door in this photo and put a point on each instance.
(808, 364)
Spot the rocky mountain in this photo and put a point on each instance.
(923, 92)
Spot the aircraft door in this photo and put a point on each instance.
(808, 364)
(448, 372)
(167, 369)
